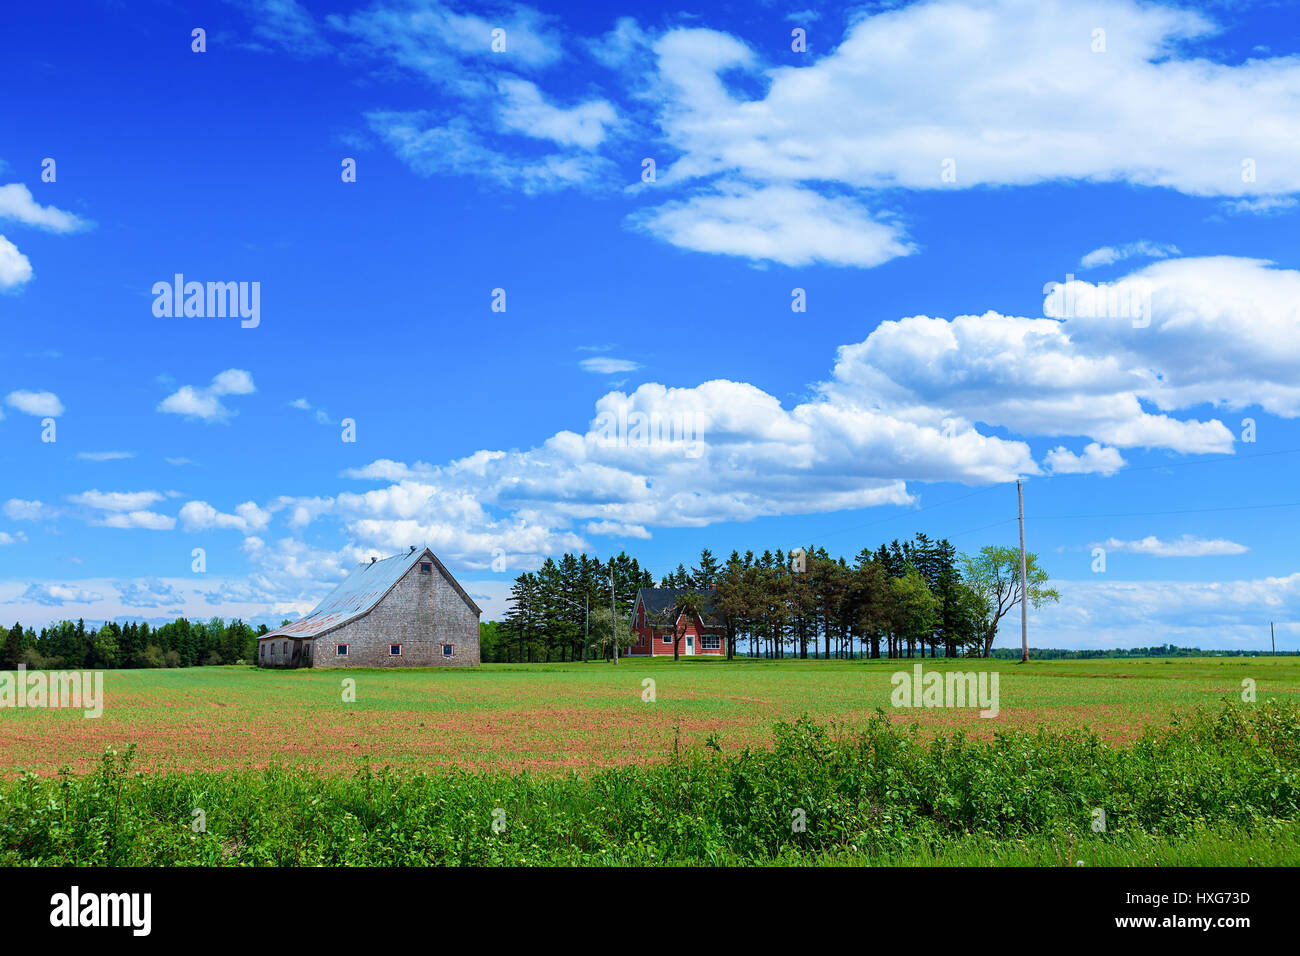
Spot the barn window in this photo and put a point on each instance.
(341, 650)
(286, 648)
(394, 650)
(710, 642)
(426, 567)
(668, 639)
(446, 650)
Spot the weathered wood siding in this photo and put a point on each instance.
(422, 613)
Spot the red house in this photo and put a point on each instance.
(657, 613)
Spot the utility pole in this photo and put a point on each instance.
(613, 614)
(586, 624)
(1272, 638)
(1024, 580)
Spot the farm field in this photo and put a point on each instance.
(559, 717)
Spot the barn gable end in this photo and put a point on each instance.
(390, 605)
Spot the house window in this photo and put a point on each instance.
(710, 642)
(394, 650)
(426, 567)
(667, 638)
(446, 650)
(341, 650)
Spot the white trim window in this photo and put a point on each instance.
(394, 650)
(341, 650)
(667, 638)
(446, 650)
(710, 642)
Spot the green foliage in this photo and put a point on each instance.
(181, 643)
(1211, 779)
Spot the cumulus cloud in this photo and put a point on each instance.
(18, 205)
(524, 109)
(759, 157)
(116, 500)
(18, 509)
(57, 595)
(1188, 546)
(785, 224)
(124, 509)
(920, 399)
(200, 516)
(204, 403)
(150, 592)
(1095, 460)
(15, 268)
(40, 404)
(16, 537)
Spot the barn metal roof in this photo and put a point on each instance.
(360, 591)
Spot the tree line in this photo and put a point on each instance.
(70, 645)
(902, 599)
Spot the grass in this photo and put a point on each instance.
(555, 718)
(1211, 787)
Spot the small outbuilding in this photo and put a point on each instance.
(403, 611)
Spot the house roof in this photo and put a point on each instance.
(661, 602)
(360, 591)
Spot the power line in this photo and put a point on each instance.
(1181, 511)
(1175, 464)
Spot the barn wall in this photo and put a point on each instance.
(422, 612)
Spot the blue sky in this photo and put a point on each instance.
(924, 173)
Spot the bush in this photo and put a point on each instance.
(878, 794)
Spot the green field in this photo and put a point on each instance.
(799, 763)
(550, 717)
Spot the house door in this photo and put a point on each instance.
(690, 645)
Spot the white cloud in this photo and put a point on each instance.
(17, 509)
(777, 223)
(915, 401)
(205, 403)
(1263, 206)
(1095, 460)
(1108, 255)
(116, 500)
(40, 404)
(456, 147)
(18, 205)
(17, 537)
(319, 414)
(57, 595)
(15, 268)
(105, 455)
(525, 110)
(604, 365)
(1105, 613)
(150, 592)
(199, 516)
(149, 520)
(1188, 546)
(908, 88)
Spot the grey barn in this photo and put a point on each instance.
(403, 611)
